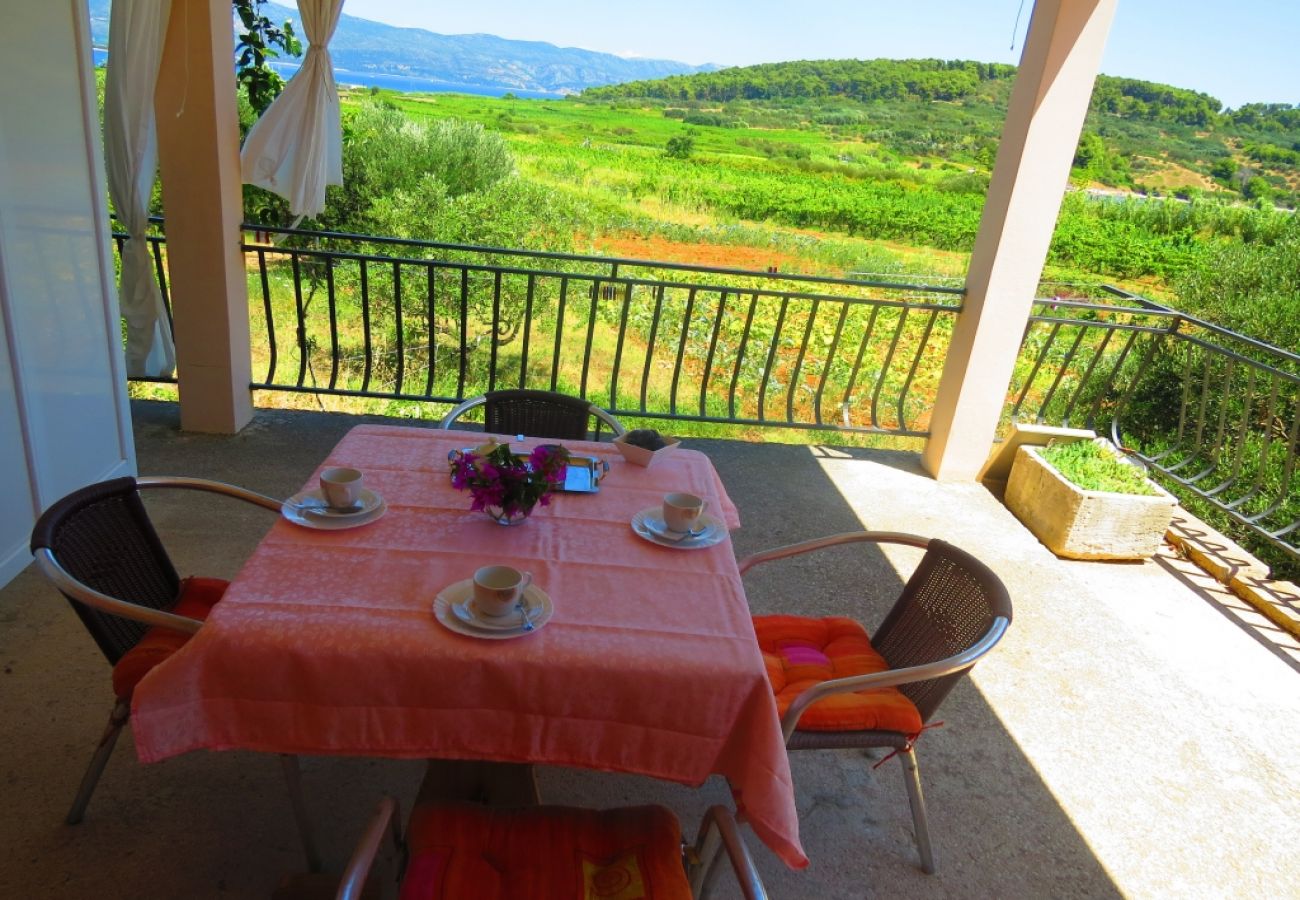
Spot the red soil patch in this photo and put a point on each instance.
(724, 256)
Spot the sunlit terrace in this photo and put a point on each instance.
(1129, 737)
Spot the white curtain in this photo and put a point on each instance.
(296, 147)
(135, 43)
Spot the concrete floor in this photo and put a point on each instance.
(1134, 735)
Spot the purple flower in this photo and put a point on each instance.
(496, 477)
(462, 472)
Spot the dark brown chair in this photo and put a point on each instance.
(100, 549)
(543, 414)
(951, 612)
(451, 847)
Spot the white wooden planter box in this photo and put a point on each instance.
(1079, 524)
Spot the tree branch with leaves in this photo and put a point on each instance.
(261, 41)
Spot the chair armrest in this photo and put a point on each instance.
(215, 487)
(833, 540)
(719, 827)
(385, 821)
(614, 424)
(84, 593)
(457, 411)
(893, 677)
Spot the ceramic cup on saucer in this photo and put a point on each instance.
(498, 588)
(341, 487)
(682, 511)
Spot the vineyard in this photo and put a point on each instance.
(845, 196)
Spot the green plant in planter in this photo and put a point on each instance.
(1095, 468)
(1083, 501)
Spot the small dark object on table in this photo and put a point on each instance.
(646, 438)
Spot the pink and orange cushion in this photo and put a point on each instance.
(467, 850)
(198, 596)
(801, 652)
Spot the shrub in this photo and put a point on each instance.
(965, 183)
(385, 152)
(1253, 288)
(706, 119)
(680, 146)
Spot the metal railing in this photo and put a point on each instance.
(1214, 414)
(439, 323)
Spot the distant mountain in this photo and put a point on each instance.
(368, 52)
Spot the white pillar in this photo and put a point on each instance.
(1048, 103)
(198, 149)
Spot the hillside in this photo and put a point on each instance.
(368, 52)
(1139, 135)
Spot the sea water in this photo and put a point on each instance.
(404, 83)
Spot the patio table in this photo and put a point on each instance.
(326, 643)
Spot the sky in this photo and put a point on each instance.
(1239, 52)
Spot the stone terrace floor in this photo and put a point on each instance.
(1135, 734)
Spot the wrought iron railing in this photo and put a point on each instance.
(157, 249)
(438, 323)
(1214, 414)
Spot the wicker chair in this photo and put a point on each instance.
(444, 837)
(99, 548)
(544, 414)
(951, 612)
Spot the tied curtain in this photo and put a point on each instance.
(135, 44)
(296, 148)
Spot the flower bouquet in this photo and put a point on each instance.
(507, 486)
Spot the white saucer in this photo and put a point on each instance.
(469, 613)
(649, 524)
(308, 509)
(454, 608)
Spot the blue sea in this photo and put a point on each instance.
(395, 82)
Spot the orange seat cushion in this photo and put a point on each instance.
(198, 596)
(800, 653)
(471, 851)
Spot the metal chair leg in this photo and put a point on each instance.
(919, 823)
(293, 778)
(703, 873)
(120, 716)
(121, 713)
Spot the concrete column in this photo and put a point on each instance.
(198, 151)
(1048, 103)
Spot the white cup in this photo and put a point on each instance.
(341, 487)
(497, 589)
(682, 511)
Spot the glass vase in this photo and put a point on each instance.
(500, 516)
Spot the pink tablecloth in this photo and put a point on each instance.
(326, 642)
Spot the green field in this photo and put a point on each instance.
(835, 187)
(839, 199)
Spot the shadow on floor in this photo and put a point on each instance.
(219, 824)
